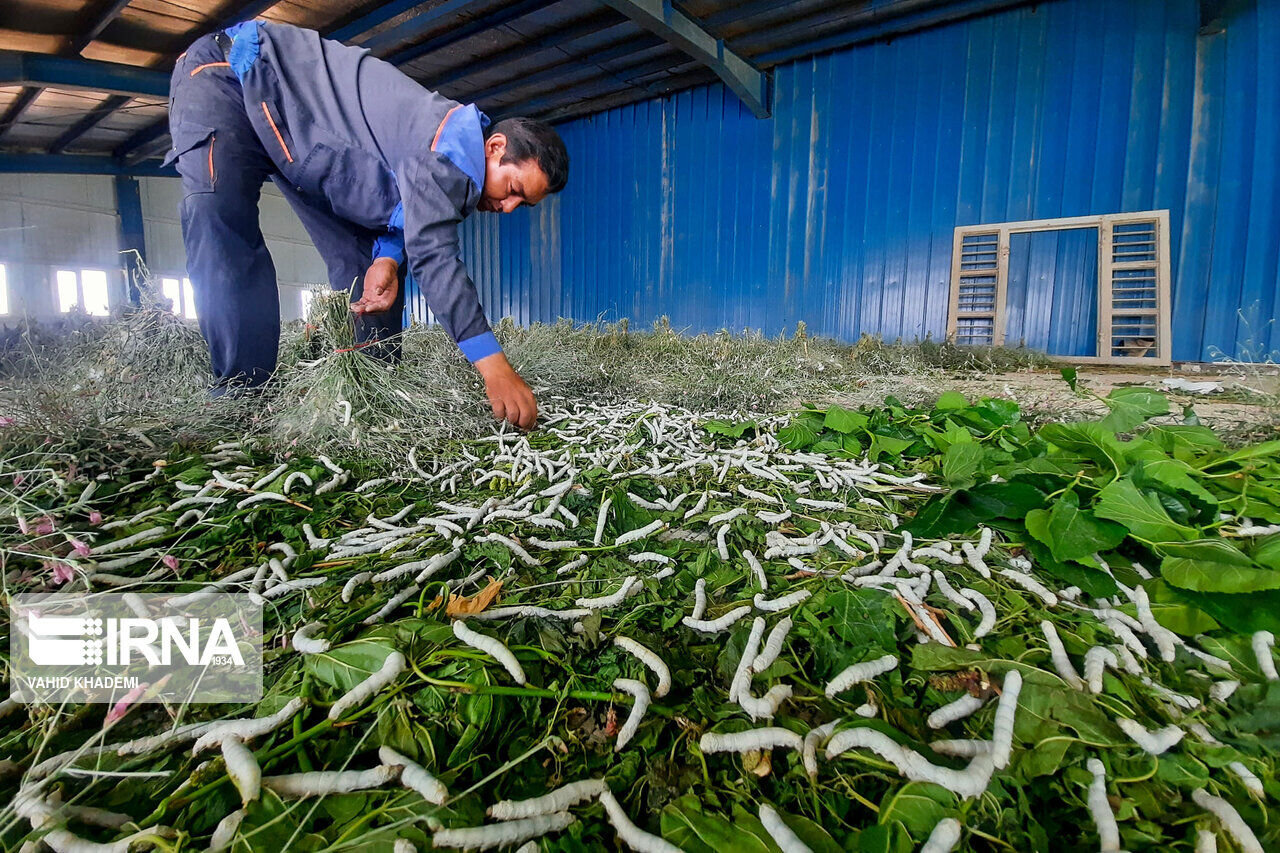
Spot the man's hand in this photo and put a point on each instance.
(509, 395)
(380, 287)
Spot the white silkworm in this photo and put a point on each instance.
(314, 542)
(763, 707)
(243, 769)
(1166, 641)
(528, 611)
(613, 599)
(698, 507)
(715, 626)
(391, 604)
(267, 478)
(502, 834)
(650, 659)
(1251, 782)
(751, 739)
(1230, 819)
(559, 800)
(1006, 711)
(944, 838)
(328, 463)
(975, 559)
(640, 693)
(574, 565)
(120, 544)
(1206, 841)
(1032, 586)
(362, 692)
(1222, 690)
(742, 675)
(937, 554)
(640, 533)
(831, 506)
(630, 834)
(225, 832)
(963, 748)
(950, 592)
(772, 646)
(1058, 653)
(349, 588)
(438, 563)
(1100, 809)
(1263, 641)
(293, 586)
(968, 783)
(1124, 634)
(783, 836)
(305, 644)
(699, 599)
(866, 710)
(600, 520)
(773, 517)
(722, 546)
(1155, 742)
(513, 546)
(985, 608)
(320, 783)
(404, 845)
(295, 477)
(812, 740)
(1212, 661)
(757, 569)
(784, 602)
(246, 729)
(414, 776)
(63, 841)
(860, 672)
(952, 711)
(726, 517)
(650, 557)
(492, 647)
(1094, 661)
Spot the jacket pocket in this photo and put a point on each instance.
(356, 184)
(192, 151)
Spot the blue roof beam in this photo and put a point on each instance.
(63, 72)
(455, 33)
(103, 18)
(25, 98)
(679, 30)
(76, 164)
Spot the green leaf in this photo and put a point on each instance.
(963, 510)
(1070, 376)
(888, 444)
(1179, 476)
(1204, 576)
(345, 666)
(797, 435)
(951, 400)
(1265, 450)
(687, 826)
(1141, 512)
(862, 617)
(732, 429)
(1244, 614)
(1073, 533)
(1091, 440)
(1268, 553)
(843, 420)
(918, 806)
(1208, 550)
(961, 462)
(1132, 407)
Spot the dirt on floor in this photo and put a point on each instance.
(1242, 403)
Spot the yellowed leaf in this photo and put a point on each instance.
(460, 605)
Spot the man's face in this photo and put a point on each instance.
(509, 185)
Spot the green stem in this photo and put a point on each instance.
(540, 693)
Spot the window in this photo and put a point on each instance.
(85, 290)
(1121, 264)
(181, 299)
(4, 290)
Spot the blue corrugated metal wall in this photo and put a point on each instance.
(839, 210)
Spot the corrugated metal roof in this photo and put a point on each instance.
(556, 59)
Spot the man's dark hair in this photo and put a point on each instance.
(530, 139)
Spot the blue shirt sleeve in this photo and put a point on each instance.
(391, 244)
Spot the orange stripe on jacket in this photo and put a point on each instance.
(440, 129)
(279, 138)
(199, 68)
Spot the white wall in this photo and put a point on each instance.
(69, 221)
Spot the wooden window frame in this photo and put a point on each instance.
(1106, 268)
